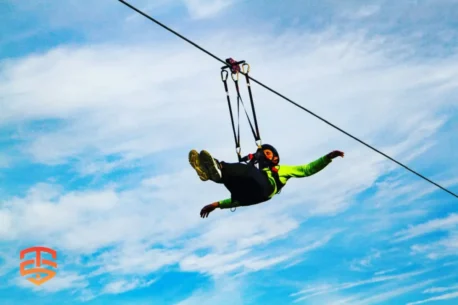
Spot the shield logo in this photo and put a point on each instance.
(37, 270)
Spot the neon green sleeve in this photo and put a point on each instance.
(228, 203)
(299, 171)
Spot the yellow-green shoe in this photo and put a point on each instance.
(195, 163)
(211, 166)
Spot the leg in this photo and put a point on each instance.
(245, 182)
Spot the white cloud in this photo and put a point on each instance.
(218, 264)
(132, 259)
(373, 299)
(440, 289)
(362, 12)
(441, 248)
(143, 104)
(448, 296)
(5, 222)
(62, 281)
(227, 291)
(41, 215)
(334, 288)
(384, 271)
(7, 260)
(122, 286)
(440, 224)
(373, 295)
(361, 264)
(200, 9)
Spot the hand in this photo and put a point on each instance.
(206, 210)
(335, 154)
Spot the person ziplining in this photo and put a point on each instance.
(257, 177)
(202, 162)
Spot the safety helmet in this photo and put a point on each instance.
(274, 152)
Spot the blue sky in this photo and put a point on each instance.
(94, 137)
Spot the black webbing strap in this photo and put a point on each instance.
(240, 100)
(258, 134)
(224, 75)
(235, 70)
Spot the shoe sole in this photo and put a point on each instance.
(207, 160)
(195, 163)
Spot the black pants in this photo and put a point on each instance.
(247, 184)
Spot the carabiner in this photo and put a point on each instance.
(224, 78)
(235, 80)
(248, 70)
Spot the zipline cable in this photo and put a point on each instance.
(287, 99)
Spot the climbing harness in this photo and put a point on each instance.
(234, 66)
(279, 184)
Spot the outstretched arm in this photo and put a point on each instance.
(222, 204)
(227, 203)
(311, 168)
